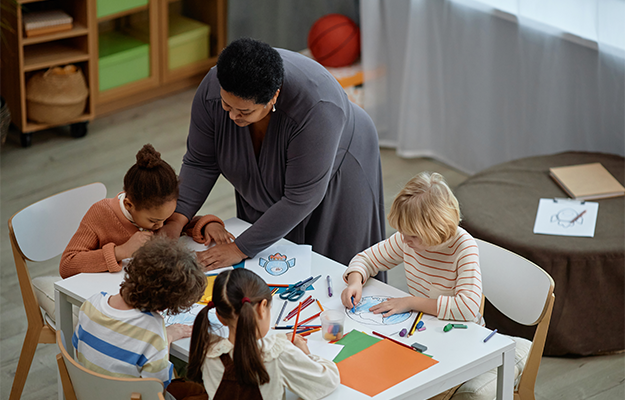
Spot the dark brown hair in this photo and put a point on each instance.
(229, 289)
(163, 275)
(151, 182)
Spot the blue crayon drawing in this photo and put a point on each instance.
(362, 314)
(277, 264)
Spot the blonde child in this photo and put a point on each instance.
(124, 335)
(440, 258)
(113, 229)
(248, 364)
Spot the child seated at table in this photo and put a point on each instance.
(124, 334)
(440, 258)
(113, 229)
(248, 364)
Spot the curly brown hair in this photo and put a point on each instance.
(163, 275)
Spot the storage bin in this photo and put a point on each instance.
(188, 40)
(108, 7)
(123, 59)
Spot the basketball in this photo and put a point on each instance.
(334, 40)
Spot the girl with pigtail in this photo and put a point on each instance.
(248, 364)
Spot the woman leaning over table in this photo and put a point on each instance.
(304, 160)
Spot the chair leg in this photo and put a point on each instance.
(23, 365)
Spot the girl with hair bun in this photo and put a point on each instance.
(248, 364)
(113, 229)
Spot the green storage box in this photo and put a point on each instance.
(123, 59)
(108, 7)
(188, 41)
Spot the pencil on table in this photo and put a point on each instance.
(311, 331)
(310, 318)
(414, 324)
(299, 308)
(319, 304)
(281, 311)
(305, 304)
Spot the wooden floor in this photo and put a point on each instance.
(56, 162)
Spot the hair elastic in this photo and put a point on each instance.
(210, 304)
(245, 300)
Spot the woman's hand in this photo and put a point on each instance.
(299, 342)
(396, 305)
(216, 232)
(353, 290)
(127, 249)
(220, 256)
(178, 331)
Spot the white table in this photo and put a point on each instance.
(461, 353)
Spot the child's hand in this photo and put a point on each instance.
(300, 342)
(214, 231)
(127, 249)
(178, 331)
(353, 289)
(397, 305)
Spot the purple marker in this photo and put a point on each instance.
(329, 285)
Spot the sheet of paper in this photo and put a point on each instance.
(353, 343)
(197, 247)
(381, 366)
(324, 349)
(282, 263)
(566, 217)
(187, 318)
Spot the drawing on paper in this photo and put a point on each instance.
(566, 218)
(364, 316)
(277, 264)
(187, 318)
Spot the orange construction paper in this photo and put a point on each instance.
(381, 366)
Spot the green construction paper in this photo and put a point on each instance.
(354, 342)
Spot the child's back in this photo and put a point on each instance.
(124, 334)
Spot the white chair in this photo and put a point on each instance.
(523, 292)
(38, 233)
(79, 383)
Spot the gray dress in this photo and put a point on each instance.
(317, 179)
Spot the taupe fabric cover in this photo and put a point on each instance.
(499, 205)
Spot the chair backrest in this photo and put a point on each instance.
(79, 383)
(43, 229)
(516, 286)
(523, 292)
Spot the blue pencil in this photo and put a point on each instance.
(281, 311)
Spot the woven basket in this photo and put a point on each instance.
(57, 95)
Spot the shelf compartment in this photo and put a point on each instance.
(110, 9)
(77, 30)
(123, 59)
(44, 55)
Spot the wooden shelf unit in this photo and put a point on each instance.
(23, 56)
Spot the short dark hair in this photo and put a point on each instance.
(151, 182)
(250, 69)
(163, 275)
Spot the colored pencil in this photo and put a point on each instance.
(319, 304)
(281, 311)
(305, 304)
(278, 285)
(301, 325)
(311, 331)
(414, 324)
(299, 308)
(393, 340)
(311, 318)
(274, 291)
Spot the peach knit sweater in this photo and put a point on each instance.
(103, 227)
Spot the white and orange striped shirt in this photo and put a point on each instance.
(449, 272)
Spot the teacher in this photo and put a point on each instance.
(303, 159)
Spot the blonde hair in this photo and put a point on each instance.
(426, 208)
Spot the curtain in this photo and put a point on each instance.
(455, 81)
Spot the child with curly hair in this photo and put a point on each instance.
(124, 334)
(113, 229)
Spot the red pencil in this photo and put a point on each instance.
(310, 319)
(299, 308)
(278, 285)
(305, 304)
(393, 340)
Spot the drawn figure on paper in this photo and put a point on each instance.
(364, 316)
(567, 218)
(277, 264)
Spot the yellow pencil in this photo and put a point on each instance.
(414, 324)
(274, 291)
(319, 304)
